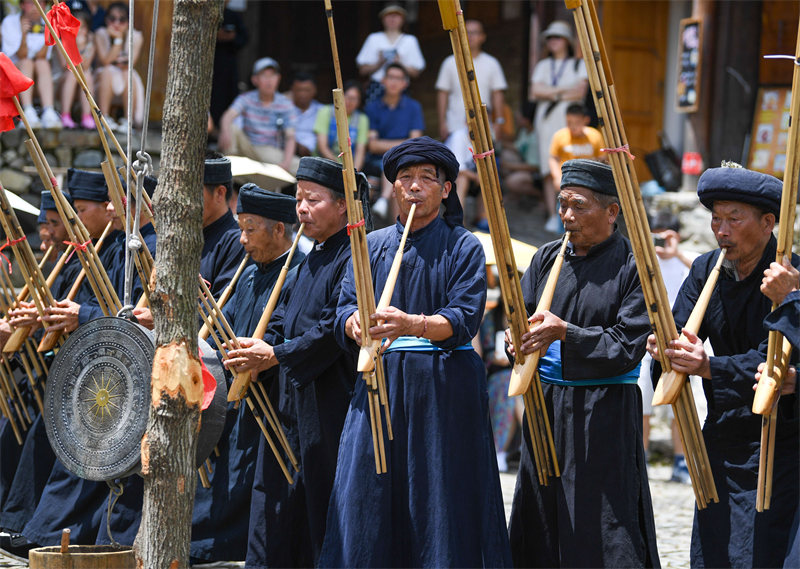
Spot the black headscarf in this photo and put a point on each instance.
(425, 150)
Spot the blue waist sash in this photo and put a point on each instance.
(550, 371)
(414, 344)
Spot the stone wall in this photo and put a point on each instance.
(63, 149)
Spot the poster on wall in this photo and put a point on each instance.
(688, 87)
(770, 130)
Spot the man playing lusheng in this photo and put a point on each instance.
(598, 513)
(315, 379)
(439, 504)
(730, 533)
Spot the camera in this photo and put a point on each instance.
(659, 241)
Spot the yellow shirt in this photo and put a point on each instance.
(566, 147)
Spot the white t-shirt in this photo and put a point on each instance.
(404, 51)
(490, 78)
(11, 31)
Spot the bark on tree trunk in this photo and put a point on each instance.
(168, 447)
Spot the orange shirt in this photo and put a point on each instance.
(566, 147)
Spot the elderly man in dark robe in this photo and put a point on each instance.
(219, 521)
(744, 205)
(314, 379)
(599, 512)
(439, 504)
(222, 252)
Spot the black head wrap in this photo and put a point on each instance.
(589, 174)
(328, 173)
(738, 184)
(425, 150)
(90, 186)
(217, 171)
(272, 205)
(48, 202)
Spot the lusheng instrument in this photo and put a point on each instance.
(779, 349)
(368, 353)
(524, 380)
(362, 274)
(37, 285)
(226, 294)
(243, 380)
(655, 294)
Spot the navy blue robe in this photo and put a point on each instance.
(730, 533)
(70, 501)
(222, 252)
(599, 512)
(440, 503)
(220, 517)
(313, 391)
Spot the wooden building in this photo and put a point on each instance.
(641, 37)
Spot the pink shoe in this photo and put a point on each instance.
(67, 121)
(87, 122)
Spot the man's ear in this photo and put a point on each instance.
(446, 187)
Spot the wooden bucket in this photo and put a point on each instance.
(82, 557)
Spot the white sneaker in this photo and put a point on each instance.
(122, 126)
(32, 116)
(50, 119)
(553, 225)
(381, 207)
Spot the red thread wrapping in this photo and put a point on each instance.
(78, 247)
(624, 148)
(354, 226)
(348, 145)
(482, 154)
(9, 244)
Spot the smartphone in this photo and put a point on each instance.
(659, 241)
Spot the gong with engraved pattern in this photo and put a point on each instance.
(97, 399)
(98, 396)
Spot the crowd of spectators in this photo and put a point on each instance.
(102, 42)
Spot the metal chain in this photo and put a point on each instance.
(115, 490)
(143, 166)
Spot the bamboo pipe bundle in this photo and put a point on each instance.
(103, 128)
(524, 380)
(241, 381)
(604, 94)
(23, 294)
(73, 290)
(226, 294)
(369, 352)
(676, 378)
(225, 339)
(143, 259)
(6, 302)
(362, 273)
(37, 285)
(778, 348)
(7, 402)
(541, 436)
(98, 279)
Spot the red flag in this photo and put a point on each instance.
(66, 27)
(12, 83)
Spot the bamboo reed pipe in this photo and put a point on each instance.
(671, 383)
(242, 381)
(522, 374)
(368, 353)
(226, 294)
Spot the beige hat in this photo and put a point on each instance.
(393, 9)
(558, 28)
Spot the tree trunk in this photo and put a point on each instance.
(168, 447)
